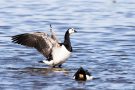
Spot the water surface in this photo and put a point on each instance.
(104, 44)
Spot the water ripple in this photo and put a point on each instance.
(104, 44)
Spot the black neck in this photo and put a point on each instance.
(67, 42)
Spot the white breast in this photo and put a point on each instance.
(60, 55)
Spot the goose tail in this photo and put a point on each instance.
(50, 63)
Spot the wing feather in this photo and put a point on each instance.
(53, 35)
(41, 41)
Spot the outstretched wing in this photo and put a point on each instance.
(53, 35)
(41, 41)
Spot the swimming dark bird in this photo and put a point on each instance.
(48, 45)
(82, 75)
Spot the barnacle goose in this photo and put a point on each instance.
(55, 52)
(82, 75)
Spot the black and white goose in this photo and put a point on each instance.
(55, 52)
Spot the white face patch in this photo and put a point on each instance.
(71, 30)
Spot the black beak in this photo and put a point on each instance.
(75, 30)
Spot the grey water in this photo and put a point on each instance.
(104, 44)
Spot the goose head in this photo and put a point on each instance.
(71, 30)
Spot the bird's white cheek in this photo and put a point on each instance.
(71, 31)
